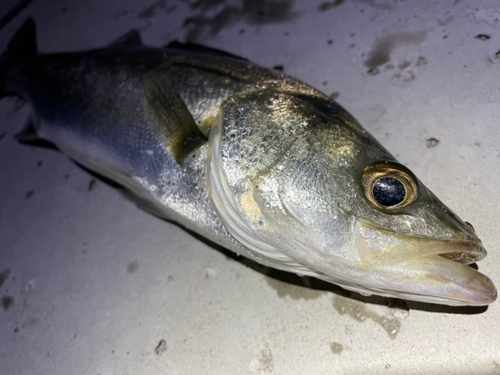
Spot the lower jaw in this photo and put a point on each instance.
(445, 281)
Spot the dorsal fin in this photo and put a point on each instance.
(171, 119)
(130, 39)
(193, 47)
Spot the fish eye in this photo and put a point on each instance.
(389, 191)
(389, 185)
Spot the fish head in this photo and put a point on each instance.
(306, 189)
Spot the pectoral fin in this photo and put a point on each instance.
(171, 118)
(29, 136)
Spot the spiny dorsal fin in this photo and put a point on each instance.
(171, 118)
(193, 47)
(130, 39)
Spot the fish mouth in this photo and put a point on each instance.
(425, 269)
(465, 252)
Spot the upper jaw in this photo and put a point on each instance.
(465, 251)
(378, 246)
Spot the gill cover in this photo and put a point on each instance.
(251, 140)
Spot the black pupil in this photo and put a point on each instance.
(389, 191)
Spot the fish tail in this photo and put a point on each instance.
(21, 46)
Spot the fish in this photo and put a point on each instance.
(250, 159)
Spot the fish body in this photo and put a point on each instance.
(92, 106)
(250, 159)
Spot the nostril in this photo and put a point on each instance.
(470, 226)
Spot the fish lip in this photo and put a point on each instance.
(479, 297)
(379, 245)
(460, 251)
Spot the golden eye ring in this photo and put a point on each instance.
(389, 186)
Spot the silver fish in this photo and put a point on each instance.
(251, 159)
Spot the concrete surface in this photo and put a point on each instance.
(92, 285)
